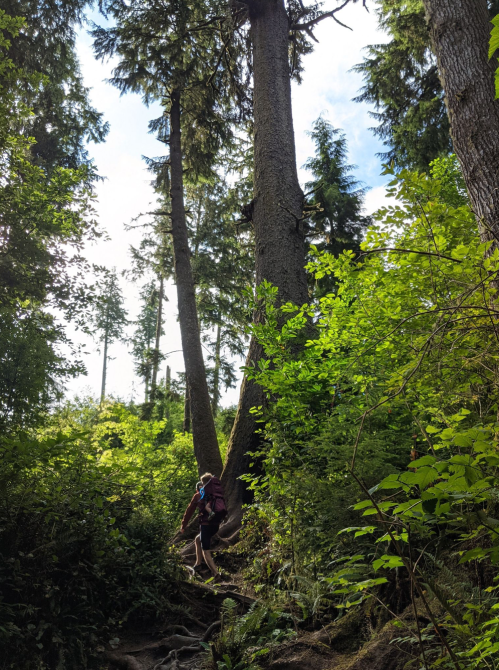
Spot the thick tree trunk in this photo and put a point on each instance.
(460, 32)
(216, 372)
(159, 324)
(278, 201)
(203, 427)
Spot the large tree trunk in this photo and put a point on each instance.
(203, 427)
(460, 32)
(159, 325)
(278, 202)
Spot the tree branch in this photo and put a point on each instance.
(409, 251)
(318, 19)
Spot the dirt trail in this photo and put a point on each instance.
(178, 644)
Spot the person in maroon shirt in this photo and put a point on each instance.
(208, 528)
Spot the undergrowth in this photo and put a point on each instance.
(87, 506)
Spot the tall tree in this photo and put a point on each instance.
(45, 219)
(336, 197)
(143, 336)
(402, 82)
(223, 269)
(63, 120)
(279, 34)
(109, 319)
(171, 59)
(460, 31)
(157, 338)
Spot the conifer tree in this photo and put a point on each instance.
(171, 58)
(279, 34)
(150, 256)
(110, 319)
(63, 120)
(336, 198)
(45, 219)
(144, 334)
(402, 82)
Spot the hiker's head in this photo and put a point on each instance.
(206, 478)
(199, 486)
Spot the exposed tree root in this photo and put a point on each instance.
(173, 655)
(124, 662)
(214, 626)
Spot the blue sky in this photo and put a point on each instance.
(328, 88)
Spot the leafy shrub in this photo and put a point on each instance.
(394, 373)
(243, 639)
(85, 518)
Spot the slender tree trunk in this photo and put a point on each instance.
(460, 32)
(278, 202)
(168, 384)
(104, 365)
(187, 408)
(203, 427)
(159, 324)
(168, 381)
(216, 372)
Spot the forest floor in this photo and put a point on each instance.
(177, 645)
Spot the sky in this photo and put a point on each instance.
(327, 89)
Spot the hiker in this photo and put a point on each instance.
(209, 499)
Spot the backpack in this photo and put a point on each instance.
(213, 493)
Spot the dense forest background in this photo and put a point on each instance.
(360, 463)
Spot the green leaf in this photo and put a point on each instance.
(494, 36)
(388, 562)
(475, 554)
(363, 504)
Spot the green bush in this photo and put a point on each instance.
(382, 402)
(87, 506)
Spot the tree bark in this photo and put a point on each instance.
(278, 202)
(159, 324)
(168, 380)
(203, 427)
(216, 373)
(460, 32)
(104, 365)
(186, 427)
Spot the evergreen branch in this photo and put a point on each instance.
(224, 49)
(206, 24)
